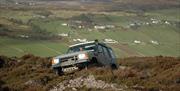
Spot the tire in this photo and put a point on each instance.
(114, 66)
(94, 62)
(83, 66)
(59, 71)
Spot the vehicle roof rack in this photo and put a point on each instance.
(82, 43)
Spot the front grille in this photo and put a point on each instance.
(73, 58)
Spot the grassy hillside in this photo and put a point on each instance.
(43, 27)
(14, 47)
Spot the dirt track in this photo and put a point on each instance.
(31, 73)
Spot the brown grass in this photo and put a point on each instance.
(139, 73)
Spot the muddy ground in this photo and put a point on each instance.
(32, 73)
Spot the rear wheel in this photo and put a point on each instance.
(114, 66)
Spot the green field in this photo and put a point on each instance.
(167, 35)
(14, 47)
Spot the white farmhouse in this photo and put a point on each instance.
(64, 24)
(80, 40)
(137, 42)
(24, 36)
(110, 41)
(155, 22)
(110, 26)
(166, 22)
(63, 35)
(154, 42)
(99, 27)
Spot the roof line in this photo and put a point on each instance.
(81, 43)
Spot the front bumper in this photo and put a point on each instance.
(70, 63)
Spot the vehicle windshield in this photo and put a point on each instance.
(84, 47)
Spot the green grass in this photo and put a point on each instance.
(24, 16)
(167, 35)
(172, 14)
(53, 26)
(14, 47)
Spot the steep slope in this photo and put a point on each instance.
(32, 73)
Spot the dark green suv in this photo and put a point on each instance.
(83, 55)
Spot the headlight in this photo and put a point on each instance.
(55, 61)
(82, 56)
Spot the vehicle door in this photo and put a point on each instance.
(100, 55)
(113, 57)
(107, 56)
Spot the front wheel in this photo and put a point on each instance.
(83, 65)
(58, 71)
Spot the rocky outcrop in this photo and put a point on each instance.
(88, 82)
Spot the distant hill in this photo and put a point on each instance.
(107, 1)
(108, 5)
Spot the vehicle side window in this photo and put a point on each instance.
(90, 47)
(112, 53)
(100, 48)
(69, 50)
(106, 52)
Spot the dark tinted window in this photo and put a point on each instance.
(112, 53)
(90, 47)
(105, 50)
(100, 48)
